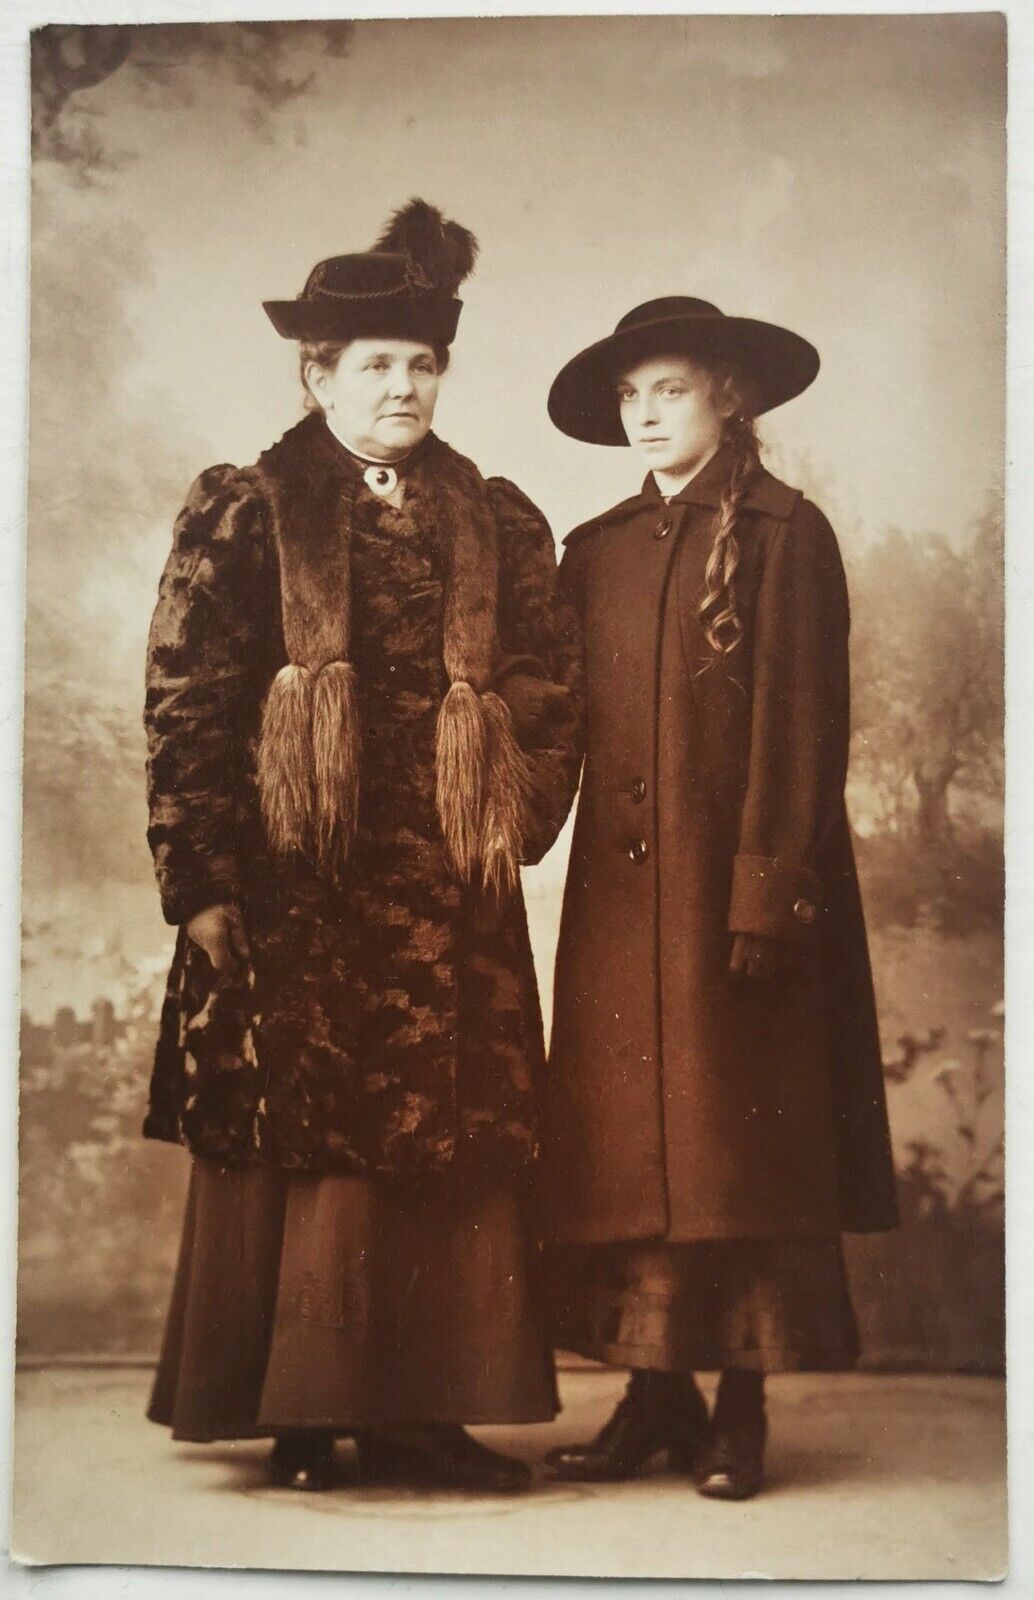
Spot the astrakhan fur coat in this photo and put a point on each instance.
(388, 1021)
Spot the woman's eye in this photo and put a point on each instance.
(673, 391)
(624, 396)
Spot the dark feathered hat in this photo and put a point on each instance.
(583, 401)
(404, 288)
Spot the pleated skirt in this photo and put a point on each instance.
(760, 1304)
(312, 1301)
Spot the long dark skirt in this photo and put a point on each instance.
(336, 1302)
(764, 1305)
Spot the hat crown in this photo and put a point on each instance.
(672, 305)
(367, 274)
(404, 288)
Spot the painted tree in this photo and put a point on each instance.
(928, 665)
(109, 459)
(272, 64)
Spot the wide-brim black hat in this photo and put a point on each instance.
(583, 401)
(404, 288)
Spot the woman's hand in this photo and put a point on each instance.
(530, 700)
(219, 932)
(755, 955)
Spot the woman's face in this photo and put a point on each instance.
(381, 395)
(669, 414)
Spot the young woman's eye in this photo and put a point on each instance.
(673, 391)
(624, 396)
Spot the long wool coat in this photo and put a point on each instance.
(388, 1022)
(685, 1102)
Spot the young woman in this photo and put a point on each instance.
(362, 712)
(715, 1112)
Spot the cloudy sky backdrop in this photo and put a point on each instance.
(842, 175)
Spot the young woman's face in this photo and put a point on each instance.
(669, 413)
(381, 395)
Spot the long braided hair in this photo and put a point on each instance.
(719, 617)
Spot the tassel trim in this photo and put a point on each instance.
(284, 761)
(461, 748)
(308, 768)
(337, 747)
(308, 762)
(483, 787)
(507, 797)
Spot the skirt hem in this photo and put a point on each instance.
(346, 1429)
(777, 1359)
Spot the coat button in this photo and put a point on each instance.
(637, 793)
(662, 529)
(639, 850)
(804, 911)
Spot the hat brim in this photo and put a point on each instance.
(583, 400)
(427, 319)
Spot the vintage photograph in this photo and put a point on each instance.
(512, 995)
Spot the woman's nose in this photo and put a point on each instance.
(401, 382)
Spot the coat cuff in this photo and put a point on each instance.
(181, 901)
(532, 700)
(774, 898)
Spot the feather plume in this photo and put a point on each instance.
(444, 251)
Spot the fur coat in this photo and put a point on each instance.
(388, 1020)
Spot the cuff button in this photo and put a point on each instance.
(805, 911)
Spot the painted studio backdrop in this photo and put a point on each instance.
(843, 176)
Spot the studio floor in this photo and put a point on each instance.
(870, 1477)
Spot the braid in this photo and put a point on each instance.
(718, 614)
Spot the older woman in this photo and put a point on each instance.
(362, 710)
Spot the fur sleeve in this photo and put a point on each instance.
(201, 661)
(540, 673)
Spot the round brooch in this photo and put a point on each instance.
(382, 480)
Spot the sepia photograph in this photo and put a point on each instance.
(512, 1000)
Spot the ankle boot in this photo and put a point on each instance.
(437, 1455)
(732, 1465)
(659, 1411)
(302, 1458)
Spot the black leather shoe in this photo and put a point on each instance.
(437, 1455)
(659, 1411)
(303, 1459)
(732, 1464)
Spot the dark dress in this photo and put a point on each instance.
(346, 1295)
(761, 1304)
(322, 1301)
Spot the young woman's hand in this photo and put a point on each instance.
(757, 956)
(219, 932)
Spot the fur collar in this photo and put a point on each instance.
(309, 758)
